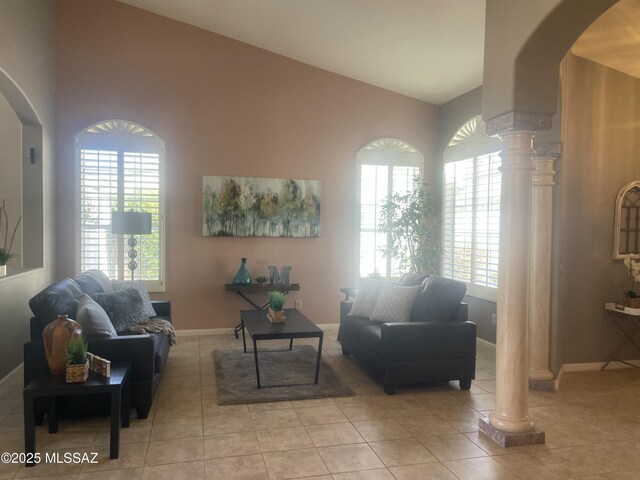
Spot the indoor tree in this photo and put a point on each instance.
(412, 229)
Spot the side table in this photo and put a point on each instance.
(624, 315)
(50, 386)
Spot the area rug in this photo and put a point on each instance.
(236, 376)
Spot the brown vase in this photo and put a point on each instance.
(55, 337)
(633, 302)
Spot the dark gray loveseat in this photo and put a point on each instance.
(147, 353)
(437, 345)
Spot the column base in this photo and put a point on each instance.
(509, 439)
(542, 385)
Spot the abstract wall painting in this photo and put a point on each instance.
(260, 207)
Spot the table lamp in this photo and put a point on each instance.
(131, 223)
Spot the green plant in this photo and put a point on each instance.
(77, 351)
(7, 245)
(261, 279)
(412, 227)
(276, 300)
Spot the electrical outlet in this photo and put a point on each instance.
(298, 304)
(494, 319)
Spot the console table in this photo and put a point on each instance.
(625, 315)
(243, 291)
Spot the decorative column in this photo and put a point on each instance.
(509, 424)
(540, 376)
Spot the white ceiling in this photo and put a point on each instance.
(613, 39)
(431, 50)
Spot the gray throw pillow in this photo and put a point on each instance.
(394, 303)
(142, 290)
(124, 307)
(366, 297)
(93, 319)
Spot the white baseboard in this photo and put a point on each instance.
(10, 376)
(591, 367)
(486, 343)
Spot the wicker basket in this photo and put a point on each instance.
(276, 317)
(77, 373)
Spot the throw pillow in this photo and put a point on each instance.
(124, 307)
(394, 303)
(142, 290)
(366, 297)
(93, 319)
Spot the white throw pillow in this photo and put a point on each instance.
(394, 303)
(366, 297)
(93, 319)
(142, 289)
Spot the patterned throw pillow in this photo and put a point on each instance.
(142, 290)
(394, 303)
(93, 319)
(124, 307)
(366, 297)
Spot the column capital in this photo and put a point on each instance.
(525, 121)
(547, 149)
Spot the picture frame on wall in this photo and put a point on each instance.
(260, 207)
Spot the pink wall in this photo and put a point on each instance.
(224, 108)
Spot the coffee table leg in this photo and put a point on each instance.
(114, 449)
(29, 428)
(255, 356)
(52, 415)
(318, 359)
(291, 344)
(126, 402)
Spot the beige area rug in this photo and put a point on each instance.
(236, 376)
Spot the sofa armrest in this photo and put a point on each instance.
(345, 308)
(137, 349)
(419, 341)
(162, 308)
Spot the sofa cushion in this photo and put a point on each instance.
(394, 303)
(438, 300)
(93, 319)
(124, 307)
(411, 279)
(366, 298)
(370, 337)
(61, 298)
(94, 281)
(142, 290)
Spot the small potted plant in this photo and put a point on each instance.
(6, 244)
(632, 262)
(276, 303)
(78, 365)
(261, 279)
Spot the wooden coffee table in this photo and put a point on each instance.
(296, 325)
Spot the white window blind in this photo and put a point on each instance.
(471, 220)
(115, 175)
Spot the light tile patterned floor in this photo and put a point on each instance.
(592, 427)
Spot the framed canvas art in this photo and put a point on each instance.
(260, 207)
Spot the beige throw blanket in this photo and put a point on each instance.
(155, 325)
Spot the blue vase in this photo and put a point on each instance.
(242, 277)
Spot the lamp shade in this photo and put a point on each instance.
(131, 223)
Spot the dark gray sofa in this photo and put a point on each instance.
(147, 353)
(437, 345)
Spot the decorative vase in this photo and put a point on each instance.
(3, 270)
(242, 277)
(77, 373)
(55, 337)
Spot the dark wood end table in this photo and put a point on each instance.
(296, 325)
(50, 386)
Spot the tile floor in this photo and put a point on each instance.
(592, 427)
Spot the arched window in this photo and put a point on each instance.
(385, 166)
(120, 168)
(471, 209)
(627, 221)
